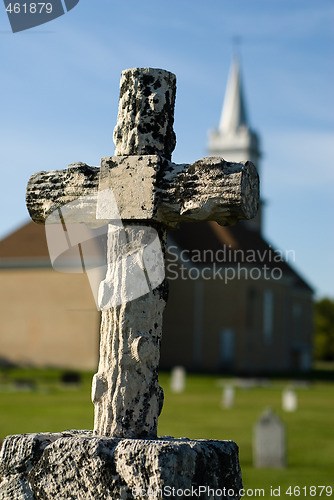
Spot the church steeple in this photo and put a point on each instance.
(233, 115)
(234, 140)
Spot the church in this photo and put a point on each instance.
(236, 305)
(244, 308)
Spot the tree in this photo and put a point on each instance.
(324, 329)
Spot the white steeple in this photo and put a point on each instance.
(233, 115)
(234, 140)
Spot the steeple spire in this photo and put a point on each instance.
(234, 140)
(234, 114)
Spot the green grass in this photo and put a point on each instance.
(50, 407)
(196, 413)
(310, 430)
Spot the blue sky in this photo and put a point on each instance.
(59, 97)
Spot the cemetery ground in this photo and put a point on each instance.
(38, 400)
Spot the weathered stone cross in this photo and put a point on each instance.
(150, 191)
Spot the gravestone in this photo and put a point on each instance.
(269, 442)
(228, 397)
(123, 458)
(289, 400)
(178, 379)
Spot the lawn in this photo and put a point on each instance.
(196, 413)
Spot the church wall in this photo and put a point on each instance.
(177, 346)
(48, 319)
(276, 350)
(225, 309)
(258, 315)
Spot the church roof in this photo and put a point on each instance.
(234, 114)
(26, 243)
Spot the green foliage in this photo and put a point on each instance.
(324, 330)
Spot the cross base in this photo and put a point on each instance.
(77, 464)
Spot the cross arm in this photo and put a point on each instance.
(209, 189)
(151, 188)
(48, 191)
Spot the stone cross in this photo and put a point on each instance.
(150, 192)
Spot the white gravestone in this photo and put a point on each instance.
(289, 400)
(269, 446)
(228, 397)
(178, 379)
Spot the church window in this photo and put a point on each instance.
(268, 316)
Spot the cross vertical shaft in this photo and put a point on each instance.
(126, 392)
